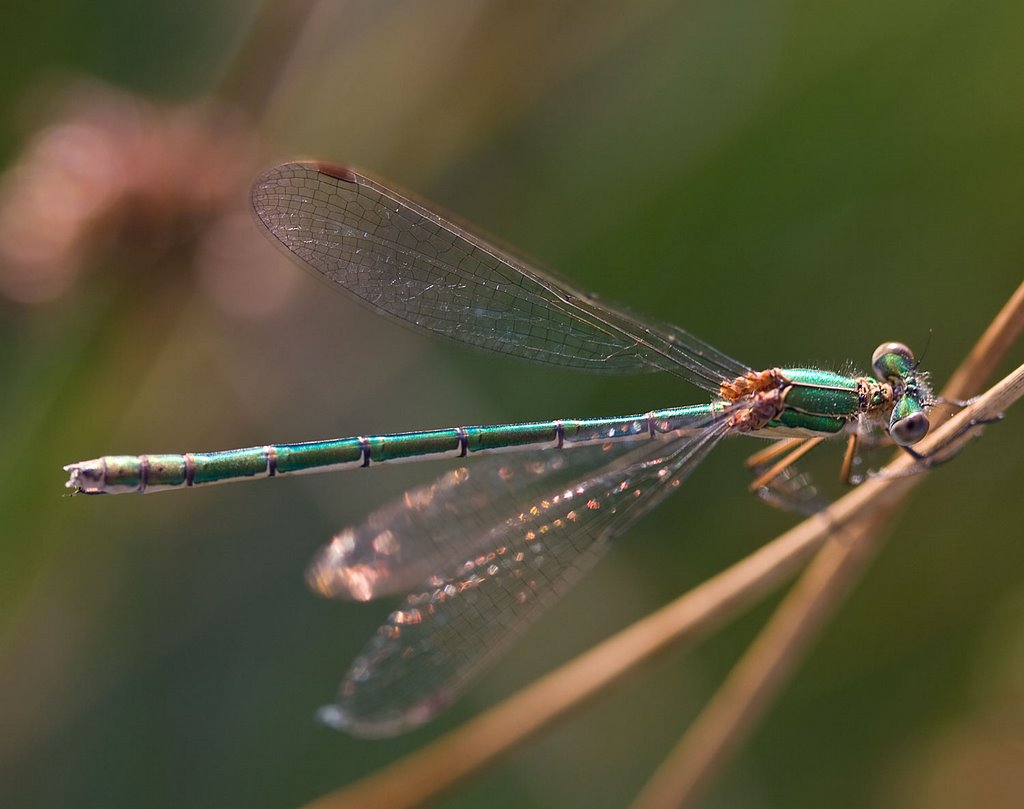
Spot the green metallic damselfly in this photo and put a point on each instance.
(486, 547)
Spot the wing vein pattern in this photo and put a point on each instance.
(417, 266)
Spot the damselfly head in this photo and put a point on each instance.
(895, 364)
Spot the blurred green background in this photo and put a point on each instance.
(794, 182)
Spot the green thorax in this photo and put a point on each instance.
(825, 402)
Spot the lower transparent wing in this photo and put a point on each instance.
(397, 547)
(442, 637)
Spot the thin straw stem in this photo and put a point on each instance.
(733, 712)
(438, 767)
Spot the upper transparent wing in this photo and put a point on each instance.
(529, 553)
(414, 264)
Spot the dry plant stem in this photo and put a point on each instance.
(423, 775)
(438, 767)
(428, 772)
(744, 697)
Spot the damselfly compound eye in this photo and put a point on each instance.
(909, 429)
(892, 360)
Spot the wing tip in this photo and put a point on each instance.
(339, 171)
(385, 722)
(286, 170)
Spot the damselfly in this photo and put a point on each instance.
(486, 547)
